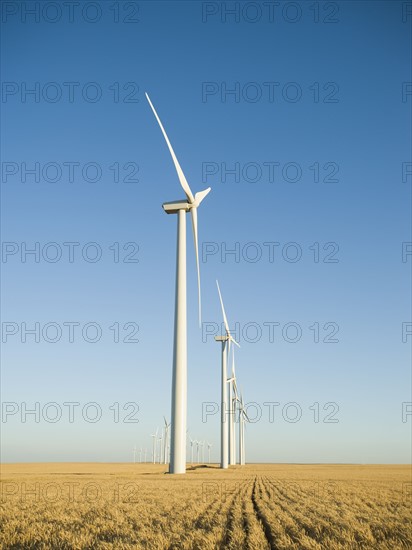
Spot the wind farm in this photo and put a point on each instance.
(206, 266)
(194, 487)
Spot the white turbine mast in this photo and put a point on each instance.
(179, 378)
(160, 441)
(225, 341)
(166, 441)
(154, 445)
(209, 446)
(192, 443)
(243, 417)
(233, 398)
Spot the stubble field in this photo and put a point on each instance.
(257, 507)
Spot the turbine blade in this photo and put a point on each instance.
(233, 340)
(193, 212)
(180, 174)
(235, 388)
(201, 195)
(245, 415)
(223, 311)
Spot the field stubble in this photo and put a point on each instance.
(255, 507)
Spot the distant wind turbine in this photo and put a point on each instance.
(154, 445)
(166, 441)
(160, 440)
(179, 379)
(243, 417)
(209, 445)
(225, 340)
(192, 443)
(233, 397)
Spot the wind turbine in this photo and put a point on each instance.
(225, 340)
(145, 455)
(192, 443)
(179, 378)
(140, 454)
(242, 418)
(154, 445)
(233, 398)
(197, 450)
(166, 441)
(134, 454)
(209, 445)
(160, 440)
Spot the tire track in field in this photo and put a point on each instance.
(252, 526)
(230, 521)
(262, 519)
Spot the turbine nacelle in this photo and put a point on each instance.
(173, 207)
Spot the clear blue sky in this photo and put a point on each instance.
(319, 132)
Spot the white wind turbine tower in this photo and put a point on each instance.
(179, 379)
(145, 455)
(233, 399)
(166, 441)
(154, 445)
(197, 450)
(225, 340)
(192, 443)
(160, 440)
(140, 454)
(209, 446)
(202, 445)
(243, 417)
(134, 454)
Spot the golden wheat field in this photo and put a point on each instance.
(257, 507)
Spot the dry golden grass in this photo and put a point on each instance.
(257, 507)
